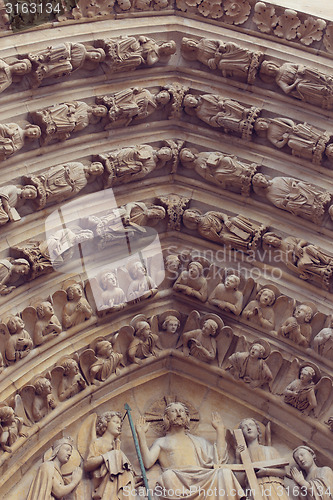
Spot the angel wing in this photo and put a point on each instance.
(288, 373)
(155, 268)
(318, 322)
(59, 299)
(20, 411)
(29, 316)
(86, 435)
(324, 395)
(87, 358)
(247, 290)
(123, 340)
(94, 294)
(223, 342)
(4, 337)
(283, 308)
(124, 279)
(274, 363)
(57, 374)
(192, 323)
(242, 344)
(27, 394)
(214, 277)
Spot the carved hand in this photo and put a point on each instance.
(141, 426)
(296, 475)
(217, 421)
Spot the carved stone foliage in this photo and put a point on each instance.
(218, 168)
(59, 121)
(131, 104)
(235, 232)
(301, 82)
(49, 477)
(13, 138)
(229, 58)
(220, 112)
(297, 197)
(175, 206)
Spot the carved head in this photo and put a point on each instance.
(177, 415)
(269, 68)
(303, 313)
(195, 269)
(103, 349)
(187, 157)
(109, 280)
(272, 239)
(307, 374)
(96, 168)
(210, 328)
(190, 101)
(164, 153)
(43, 386)
(32, 132)
(190, 47)
(232, 282)
(62, 448)
(15, 324)
(257, 351)
(95, 55)
(163, 97)
(191, 218)
(171, 324)
(329, 152)
(304, 457)
(70, 366)
(103, 420)
(74, 292)
(260, 181)
(136, 270)
(167, 48)
(266, 297)
(142, 329)
(172, 263)
(29, 192)
(261, 126)
(7, 415)
(250, 428)
(21, 67)
(98, 110)
(124, 4)
(44, 310)
(156, 212)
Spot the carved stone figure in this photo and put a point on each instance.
(64, 181)
(270, 479)
(132, 104)
(77, 310)
(221, 169)
(99, 444)
(71, 381)
(296, 80)
(126, 53)
(112, 296)
(58, 122)
(10, 71)
(49, 482)
(300, 393)
(297, 197)
(47, 324)
(323, 341)
(260, 310)
(304, 140)
(106, 361)
(223, 113)
(13, 137)
(236, 232)
(316, 482)
(187, 459)
(232, 60)
(227, 296)
(18, 343)
(12, 271)
(10, 428)
(193, 282)
(297, 328)
(308, 261)
(13, 197)
(62, 60)
(132, 163)
(250, 366)
(170, 325)
(144, 341)
(201, 342)
(142, 286)
(38, 399)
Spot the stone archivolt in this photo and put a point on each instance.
(211, 326)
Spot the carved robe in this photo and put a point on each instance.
(113, 475)
(192, 482)
(41, 488)
(321, 484)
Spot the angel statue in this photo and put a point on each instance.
(67, 379)
(301, 393)
(137, 341)
(107, 293)
(17, 341)
(227, 296)
(38, 399)
(49, 482)
(142, 286)
(99, 445)
(193, 282)
(270, 477)
(323, 341)
(298, 328)
(10, 427)
(167, 324)
(77, 309)
(202, 336)
(100, 361)
(43, 322)
(250, 366)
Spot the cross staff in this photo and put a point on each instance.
(249, 467)
(138, 451)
